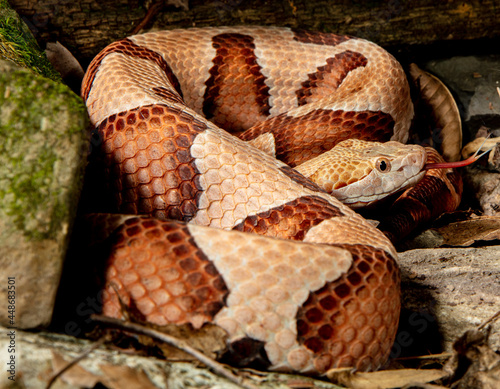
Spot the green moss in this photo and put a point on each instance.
(35, 147)
(18, 45)
(38, 92)
(28, 191)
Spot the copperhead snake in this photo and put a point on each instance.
(229, 234)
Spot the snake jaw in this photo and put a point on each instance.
(372, 193)
(406, 171)
(370, 172)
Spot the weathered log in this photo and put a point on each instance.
(87, 26)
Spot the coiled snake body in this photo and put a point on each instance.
(314, 286)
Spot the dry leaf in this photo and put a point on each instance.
(209, 339)
(445, 113)
(75, 375)
(474, 363)
(119, 377)
(63, 61)
(384, 379)
(467, 232)
(483, 144)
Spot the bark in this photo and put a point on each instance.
(39, 355)
(87, 26)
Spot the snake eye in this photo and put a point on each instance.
(383, 165)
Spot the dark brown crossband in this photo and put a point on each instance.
(352, 322)
(167, 94)
(127, 47)
(299, 139)
(319, 38)
(146, 152)
(235, 63)
(181, 282)
(294, 175)
(329, 76)
(291, 220)
(422, 203)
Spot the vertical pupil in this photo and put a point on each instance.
(383, 165)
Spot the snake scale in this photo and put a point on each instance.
(225, 233)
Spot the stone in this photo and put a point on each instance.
(445, 292)
(474, 82)
(43, 152)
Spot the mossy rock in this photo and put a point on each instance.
(18, 45)
(43, 152)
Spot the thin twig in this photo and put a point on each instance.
(70, 364)
(491, 319)
(152, 11)
(178, 343)
(424, 357)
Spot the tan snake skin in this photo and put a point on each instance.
(314, 286)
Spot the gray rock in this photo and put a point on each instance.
(474, 82)
(449, 291)
(484, 186)
(43, 149)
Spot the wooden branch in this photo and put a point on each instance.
(179, 343)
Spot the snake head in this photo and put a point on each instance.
(360, 173)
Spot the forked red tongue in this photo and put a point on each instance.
(465, 162)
